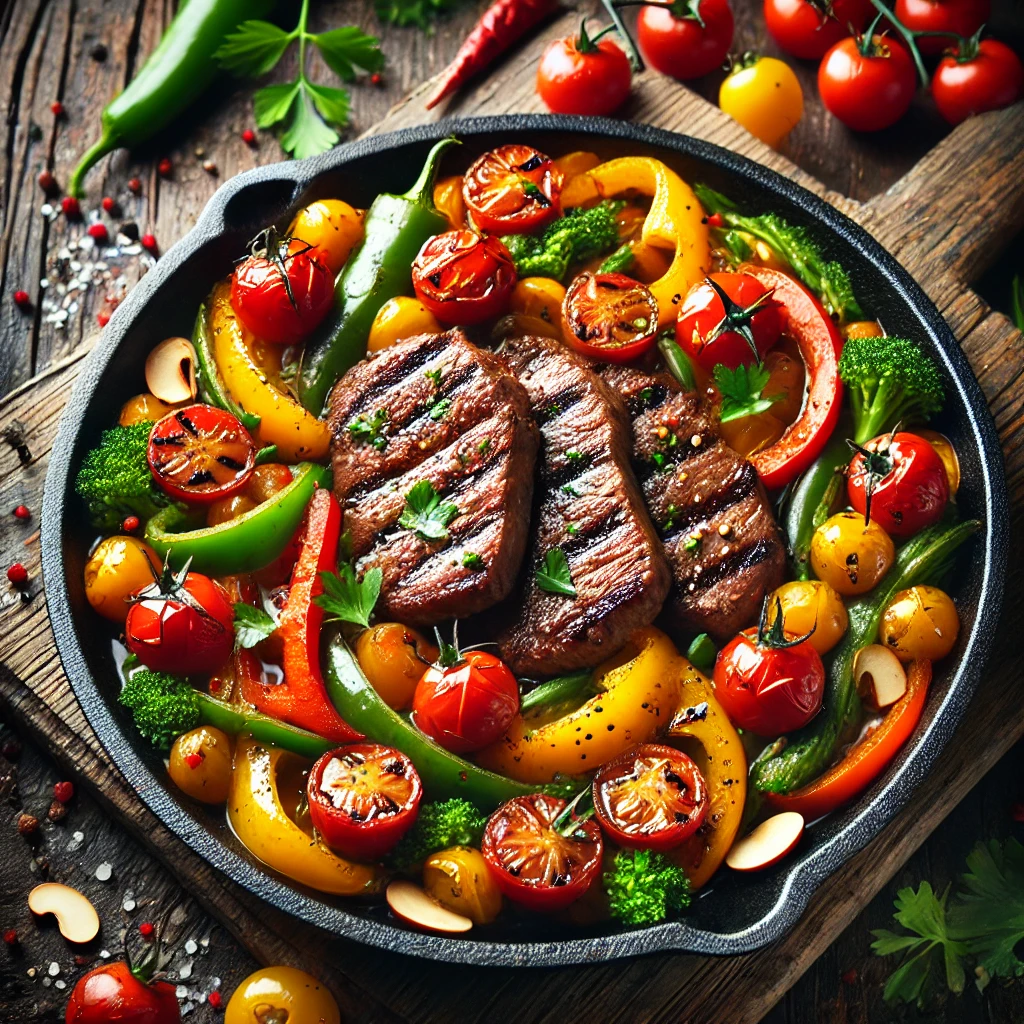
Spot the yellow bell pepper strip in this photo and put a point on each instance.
(261, 824)
(298, 434)
(674, 221)
(724, 766)
(639, 690)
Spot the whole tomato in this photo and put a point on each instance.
(688, 45)
(977, 77)
(902, 480)
(763, 94)
(962, 17)
(580, 75)
(465, 700)
(182, 624)
(283, 289)
(805, 30)
(113, 994)
(867, 84)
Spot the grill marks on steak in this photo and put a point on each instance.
(714, 518)
(590, 506)
(455, 417)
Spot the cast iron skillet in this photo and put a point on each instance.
(736, 914)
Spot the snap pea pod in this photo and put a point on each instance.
(211, 387)
(233, 721)
(811, 502)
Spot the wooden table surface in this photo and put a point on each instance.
(45, 55)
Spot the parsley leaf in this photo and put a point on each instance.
(425, 513)
(347, 48)
(416, 13)
(554, 577)
(741, 391)
(471, 560)
(305, 134)
(349, 599)
(254, 48)
(251, 625)
(368, 429)
(440, 408)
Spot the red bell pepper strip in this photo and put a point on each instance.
(820, 343)
(866, 760)
(301, 699)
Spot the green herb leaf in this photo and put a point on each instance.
(425, 513)
(554, 577)
(272, 103)
(440, 408)
(471, 560)
(251, 625)
(332, 104)
(348, 599)
(367, 429)
(741, 391)
(414, 13)
(253, 48)
(306, 135)
(347, 48)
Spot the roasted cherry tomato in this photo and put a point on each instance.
(763, 94)
(867, 84)
(394, 658)
(920, 622)
(459, 879)
(807, 30)
(200, 764)
(200, 454)
(903, 482)
(652, 797)
(282, 290)
(810, 607)
(850, 555)
(281, 995)
(536, 864)
(978, 76)
(737, 328)
(609, 317)
(116, 569)
(332, 226)
(687, 46)
(513, 189)
(183, 624)
(465, 700)
(363, 798)
(962, 17)
(113, 994)
(464, 278)
(580, 75)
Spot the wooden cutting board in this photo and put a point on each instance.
(946, 221)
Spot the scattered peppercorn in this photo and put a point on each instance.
(131, 523)
(57, 811)
(850, 976)
(46, 180)
(98, 52)
(69, 204)
(57, 108)
(130, 230)
(146, 930)
(17, 574)
(22, 512)
(98, 232)
(134, 186)
(28, 825)
(209, 166)
(149, 242)
(64, 791)
(103, 318)
(10, 937)
(165, 167)
(249, 137)
(215, 999)
(22, 300)
(108, 204)
(376, 78)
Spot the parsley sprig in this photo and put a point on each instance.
(348, 599)
(425, 513)
(251, 625)
(307, 114)
(554, 575)
(369, 429)
(742, 391)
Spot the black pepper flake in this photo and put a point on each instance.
(611, 728)
(98, 53)
(589, 736)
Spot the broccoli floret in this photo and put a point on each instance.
(890, 381)
(580, 234)
(454, 822)
(644, 886)
(115, 480)
(164, 706)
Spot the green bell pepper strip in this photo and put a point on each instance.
(233, 721)
(381, 268)
(811, 503)
(177, 72)
(244, 544)
(802, 757)
(444, 774)
(211, 387)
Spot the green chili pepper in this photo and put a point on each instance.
(177, 72)
(244, 544)
(393, 234)
(677, 360)
(444, 774)
(231, 720)
(811, 503)
(211, 387)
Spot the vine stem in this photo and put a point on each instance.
(634, 54)
(909, 37)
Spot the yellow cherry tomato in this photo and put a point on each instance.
(332, 226)
(945, 451)
(807, 605)
(200, 764)
(116, 569)
(862, 329)
(394, 657)
(145, 408)
(449, 202)
(281, 995)
(763, 96)
(538, 296)
(460, 880)
(400, 318)
(921, 622)
(751, 434)
(850, 556)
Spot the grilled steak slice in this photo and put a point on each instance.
(435, 408)
(590, 507)
(715, 521)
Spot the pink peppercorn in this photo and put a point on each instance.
(21, 299)
(248, 136)
(22, 512)
(98, 232)
(17, 574)
(69, 204)
(148, 242)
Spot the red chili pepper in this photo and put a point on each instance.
(10, 937)
(148, 242)
(22, 512)
(376, 78)
(715, 220)
(501, 25)
(22, 299)
(165, 167)
(146, 930)
(134, 186)
(57, 108)
(17, 575)
(103, 318)
(302, 698)
(193, 760)
(131, 523)
(215, 999)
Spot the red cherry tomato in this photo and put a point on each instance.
(182, 626)
(465, 704)
(112, 994)
(804, 30)
(579, 76)
(681, 46)
(200, 454)
(701, 328)
(768, 690)
(867, 92)
(464, 278)
(652, 797)
(283, 289)
(991, 79)
(963, 17)
(363, 798)
(512, 190)
(907, 481)
(609, 317)
(533, 863)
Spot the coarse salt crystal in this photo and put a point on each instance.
(105, 870)
(76, 840)
(60, 983)
(181, 992)
(54, 969)
(185, 972)
(191, 946)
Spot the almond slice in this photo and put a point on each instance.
(768, 843)
(412, 905)
(171, 371)
(76, 916)
(880, 676)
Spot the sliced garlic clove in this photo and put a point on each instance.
(412, 905)
(76, 916)
(171, 371)
(880, 676)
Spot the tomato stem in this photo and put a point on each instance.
(631, 48)
(584, 44)
(773, 635)
(579, 809)
(909, 36)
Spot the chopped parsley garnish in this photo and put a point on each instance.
(570, 490)
(367, 429)
(439, 408)
(434, 376)
(646, 395)
(692, 543)
(742, 391)
(425, 513)
(484, 445)
(348, 599)
(572, 529)
(471, 560)
(660, 462)
(574, 456)
(672, 511)
(554, 577)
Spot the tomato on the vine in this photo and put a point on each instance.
(959, 17)
(514, 189)
(114, 994)
(609, 317)
(808, 29)
(867, 83)
(537, 860)
(283, 289)
(581, 75)
(685, 38)
(979, 76)
(464, 278)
